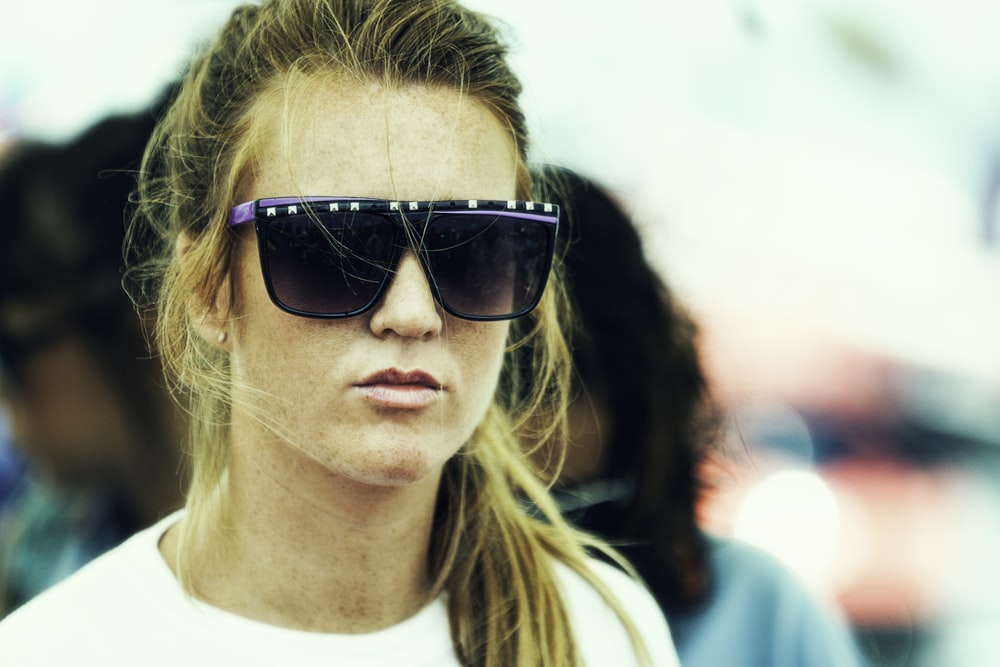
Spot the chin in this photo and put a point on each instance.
(399, 470)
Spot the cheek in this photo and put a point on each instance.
(254, 324)
(253, 320)
(245, 287)
(480, 354)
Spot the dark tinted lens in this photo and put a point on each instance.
(487, 265)
(330, 264)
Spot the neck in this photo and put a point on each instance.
(304, 548)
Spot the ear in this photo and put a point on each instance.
(208, 318)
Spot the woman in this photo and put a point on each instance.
(358, 495)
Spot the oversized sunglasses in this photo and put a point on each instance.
(335, 256)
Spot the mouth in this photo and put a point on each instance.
(392, 388)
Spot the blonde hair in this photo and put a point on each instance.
(497, 529)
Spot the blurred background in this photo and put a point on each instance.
(819, 182)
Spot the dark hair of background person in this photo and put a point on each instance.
(61, 258)
(634, 341)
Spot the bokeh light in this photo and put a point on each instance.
(793, 515)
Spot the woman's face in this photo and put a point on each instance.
(387, 397)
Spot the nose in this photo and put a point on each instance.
(407, 308)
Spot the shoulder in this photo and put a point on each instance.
(757, 604)
(631, 593)
(600, 634)
(741, 572)
(736, 563)
(83, 611)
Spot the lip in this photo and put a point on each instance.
(406, 390)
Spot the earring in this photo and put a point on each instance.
(221, 337)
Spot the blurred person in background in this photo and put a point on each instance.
(641, 425)
(93, 450)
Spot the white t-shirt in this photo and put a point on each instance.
(127, 609)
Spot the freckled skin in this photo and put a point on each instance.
(436, 146)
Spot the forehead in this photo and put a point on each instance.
(326, 136)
